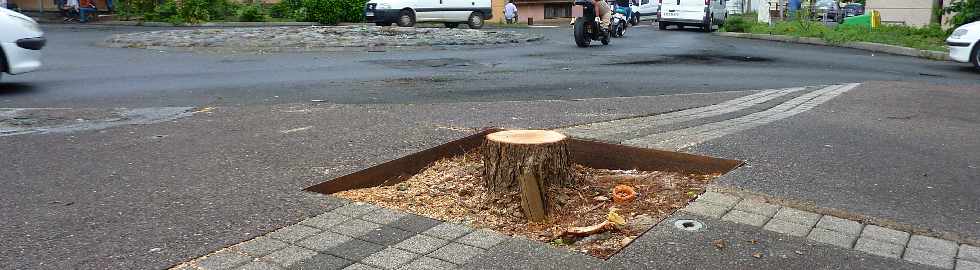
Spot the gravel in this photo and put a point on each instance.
(316, 38)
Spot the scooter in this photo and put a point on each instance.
(619, 23)
(587, 27)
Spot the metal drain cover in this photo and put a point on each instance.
(688, 225)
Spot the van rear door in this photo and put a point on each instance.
(690, 11)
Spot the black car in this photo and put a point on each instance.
(853, 9)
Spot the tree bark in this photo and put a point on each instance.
(528, 161)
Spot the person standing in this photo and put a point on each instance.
(84, 8)
(604, 12)
(510, 12)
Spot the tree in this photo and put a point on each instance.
(964, 12)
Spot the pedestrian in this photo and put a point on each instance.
(510, 12)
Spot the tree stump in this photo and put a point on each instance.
(528, 161)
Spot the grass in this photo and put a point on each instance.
(926, 38)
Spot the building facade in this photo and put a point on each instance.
(907, 12)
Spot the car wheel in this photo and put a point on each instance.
(663, 26)
(976, 56)
(475, 21)
(636, 19)
(406, 18)
(452, 25)
(708, 24)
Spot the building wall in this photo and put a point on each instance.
(909, 12)
(497, 8)
(535, 11)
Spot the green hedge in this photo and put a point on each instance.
(332, 12)
(929, 38)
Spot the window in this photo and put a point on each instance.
(552, 11)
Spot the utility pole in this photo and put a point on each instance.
(937, 12)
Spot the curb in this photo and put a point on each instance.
(867, 46)
(210, 24)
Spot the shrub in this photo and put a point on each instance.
(251, 13)
(966, 11)
(737, 24)
(285, 8)
(334, 11)
(193, 11)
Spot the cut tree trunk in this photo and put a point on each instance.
(527, 161)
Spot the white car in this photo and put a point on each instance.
(647, 8)
(21, 40)
(963, 44)
(701, 13)
(406, 13)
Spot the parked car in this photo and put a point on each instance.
(406, 13)
(701, 13)
(647, 8)
(963, 44)
(853, 9)
(21, 40)
(827, 10)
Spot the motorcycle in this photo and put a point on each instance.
(619, 22)
(587, 27)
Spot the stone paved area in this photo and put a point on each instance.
(836, 231)
(316, 38)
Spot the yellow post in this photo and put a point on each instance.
(875, 19)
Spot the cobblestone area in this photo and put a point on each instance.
(837, 231)
(316, 38)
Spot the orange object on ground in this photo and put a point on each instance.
(623, 193)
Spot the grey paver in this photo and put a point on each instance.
(967, 265)
(786, 227)
(933, 245)
(757, 207)
(223, 260)
(260, 246)
(928, 258)
(706, 209)
(383, 216)
(832, 237)
(324, 241)
(293, 233)
(427, 263)
(484, 238)
(456, 253)
(389, 258)
(361, 266)
(837, 224)
(355, 227)
(448, 231)
(355, 249)
(719, 199)
(797, 216)
(259, 266)
(325, 220)
(289, 255)
(355, 209)
(880, 248)
(414, 223)
(885, 235)
(969, 253)
(322, 262)
(386, 236)
(746, 218)
(421, 244)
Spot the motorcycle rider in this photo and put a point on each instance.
(604, 12)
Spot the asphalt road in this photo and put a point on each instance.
(151, 196)
(647, 62)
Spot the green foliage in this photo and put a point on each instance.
(251, 13)
(134, 8)
(931, 37)
(334, 11)
(285, 8)
(737, 24)
(193, 11)
(965, 11)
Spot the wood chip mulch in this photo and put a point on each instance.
(451, 190)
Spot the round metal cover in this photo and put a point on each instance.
(688, 225)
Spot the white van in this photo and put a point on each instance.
(406, 13)
(701, 13)
(647, 8)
